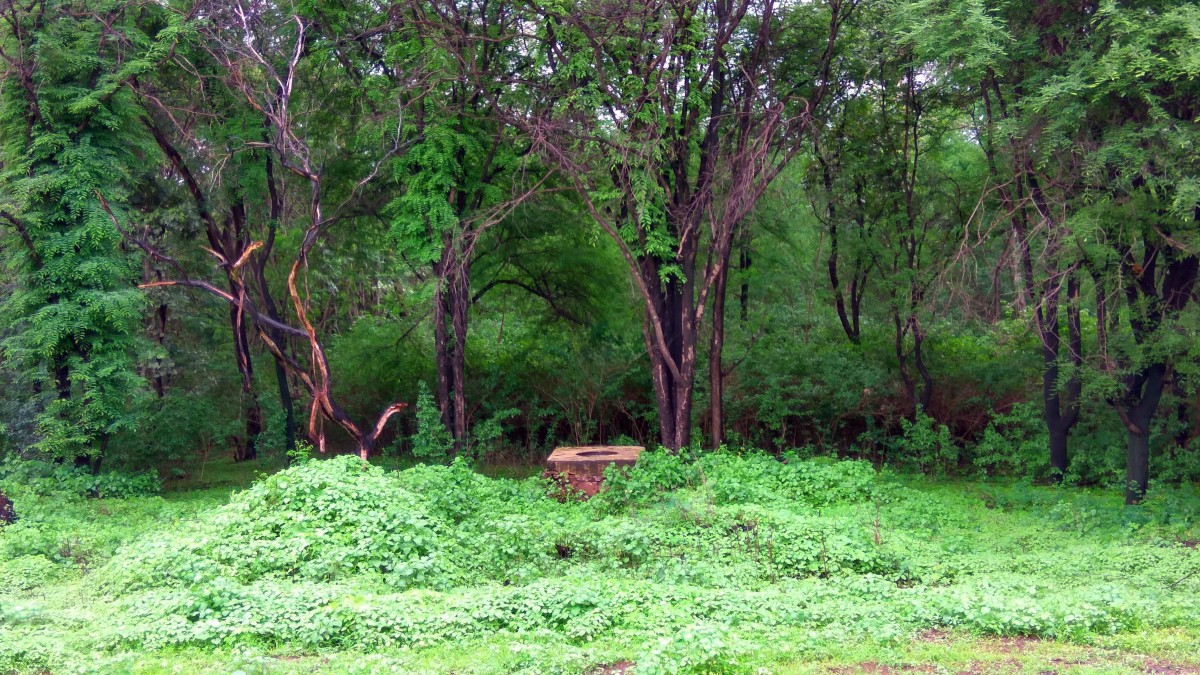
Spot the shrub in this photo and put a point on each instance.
(325, 520)
(38, 477)
(655, 474)
(432, 442)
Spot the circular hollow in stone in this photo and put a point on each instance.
(597, 453)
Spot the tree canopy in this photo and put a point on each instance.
(954, 235)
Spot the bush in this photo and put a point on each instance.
(656, 473)
(325, 520)
(37, 477)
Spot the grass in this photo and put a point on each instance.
(728, 564)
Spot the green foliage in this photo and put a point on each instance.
(924, 442)
(687, 569)
(432, 442)
(69, 144)
(1014, 443)
(48, 479)
(320, 521)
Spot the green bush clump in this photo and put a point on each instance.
(26, 572)
(757, 478)
(325, 520)
(32, 476)
(740, 478)
(657, 473)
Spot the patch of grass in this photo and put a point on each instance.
(717, 563)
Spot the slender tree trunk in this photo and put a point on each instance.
(460, 305)
(744, 262)
(248, 449)
(910, 385)
(673, 390)
(919, 361)
(156, 324)
(1047, 325)
(839, 299)
(441, 333)
(260, 264)
(716, 378)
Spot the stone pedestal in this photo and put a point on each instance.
(7, 515)
(582, 467)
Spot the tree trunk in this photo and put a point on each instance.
(260, 264)
(673, 387)
(1058, 451)
(919, 361)
(716, 384)
(1047, 325)
(1137, 465)
(835, 284)
(450, 313)
(744, 262)
(1140, 411)
(460, 305)
(248, 448)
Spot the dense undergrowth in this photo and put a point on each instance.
(719, 563)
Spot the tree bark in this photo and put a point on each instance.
(260, 260)
(248, 448)
(1140, 411)
(744, 262)
(450, 315)
(716, 377)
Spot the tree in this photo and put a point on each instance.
(671, 120)
(262, 54)
(71, 145)
(465, 170)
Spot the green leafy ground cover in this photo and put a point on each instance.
(721, 563)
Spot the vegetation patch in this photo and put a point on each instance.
(677, 568)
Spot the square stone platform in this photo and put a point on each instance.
(583, 466)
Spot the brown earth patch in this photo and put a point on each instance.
(612, 668)
(1016, 644)
(933, 635)
(881, 669)
(1166, 668)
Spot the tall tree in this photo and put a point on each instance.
(266, 57)
(1127, 108)
(671, 119)
(466, 169)
(71, 143)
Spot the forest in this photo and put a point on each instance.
(899, 296)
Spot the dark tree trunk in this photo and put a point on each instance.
(919, 361)
(910, 384)
(716, 377)
(272, 310)
(248, 448)
(1047, 324)
(673, 379)
(839, 300)
(450, 315)
(1149, 308)
(1140, 411)
(461, 294)
(744, 262)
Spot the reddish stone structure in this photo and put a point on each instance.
(7, 515)
(582, 467)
